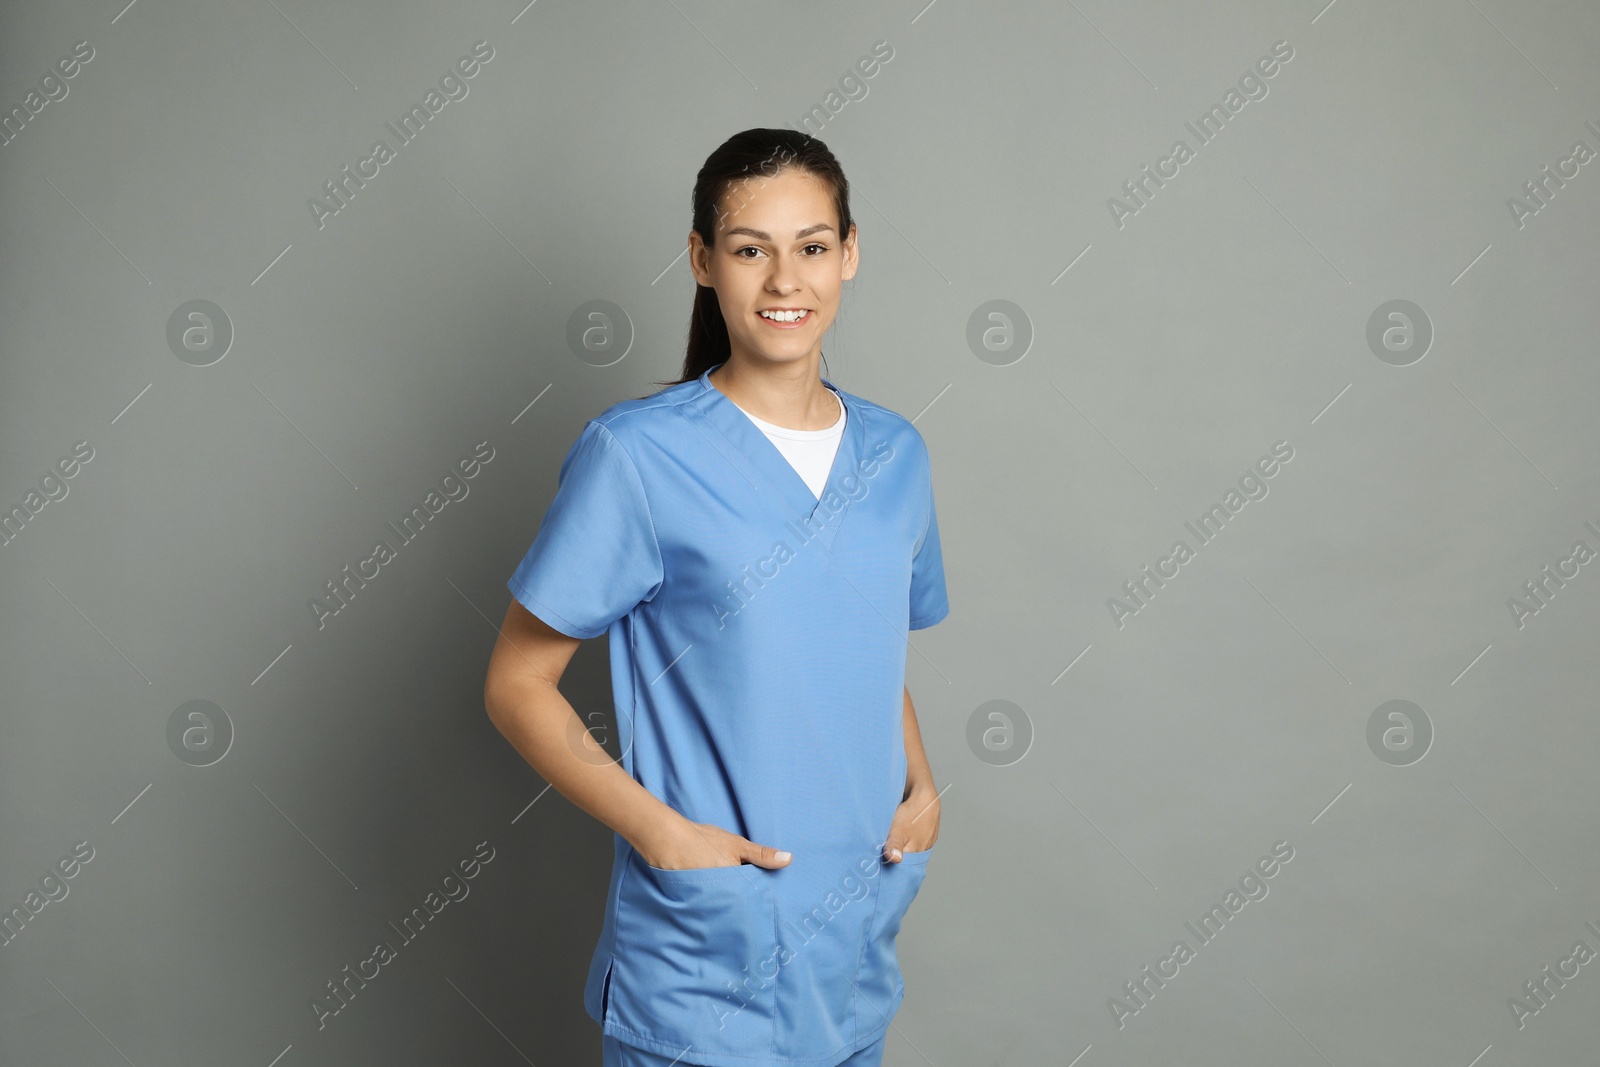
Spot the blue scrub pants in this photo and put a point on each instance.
(616, 1054)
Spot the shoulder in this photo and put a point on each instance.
(633, 422)
(885, 426)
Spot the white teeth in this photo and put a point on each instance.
(782, 316)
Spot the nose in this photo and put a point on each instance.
(783, 277)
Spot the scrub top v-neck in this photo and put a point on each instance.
(757, 637)
(809, 452)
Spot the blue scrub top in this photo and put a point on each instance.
(758, 650)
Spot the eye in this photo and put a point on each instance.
(739, 252)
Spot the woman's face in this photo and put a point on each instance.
(777, 247)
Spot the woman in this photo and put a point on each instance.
(774, 809)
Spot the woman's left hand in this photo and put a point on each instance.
(916, 824)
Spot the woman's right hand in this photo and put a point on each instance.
(685, 845)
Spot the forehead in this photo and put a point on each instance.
(779, 204)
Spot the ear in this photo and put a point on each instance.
(852, 255)
(698, 255)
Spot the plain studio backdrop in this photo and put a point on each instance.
(1340, 345)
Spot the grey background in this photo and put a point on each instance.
(1228, 314)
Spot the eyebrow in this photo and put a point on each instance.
(762, 235)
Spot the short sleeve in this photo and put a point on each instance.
(595, 557)
(929, 602)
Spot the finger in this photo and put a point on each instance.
(766, 856)
(726, 849)
(893, 847)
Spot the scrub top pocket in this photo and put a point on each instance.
(695, 959)
(881, 986)
(695, 874)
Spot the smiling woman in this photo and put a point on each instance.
(760, 761)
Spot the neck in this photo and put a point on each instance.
(789, 394)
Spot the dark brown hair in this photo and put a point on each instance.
(756, 153)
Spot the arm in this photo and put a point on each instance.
(524, 704)
(916, 820)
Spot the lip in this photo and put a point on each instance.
(804, 321)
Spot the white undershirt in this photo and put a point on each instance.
(809, 452)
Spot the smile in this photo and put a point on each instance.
(785, 320)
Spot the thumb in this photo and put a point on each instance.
(894, 844)
(766, 856)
